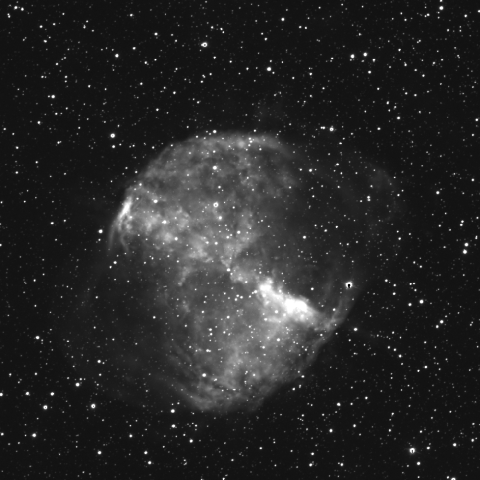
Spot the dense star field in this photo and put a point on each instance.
(231, 260)
(237, 240)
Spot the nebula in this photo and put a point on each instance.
(229, 264)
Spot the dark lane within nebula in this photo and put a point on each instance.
(229, 265)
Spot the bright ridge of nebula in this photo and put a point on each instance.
(227, 270)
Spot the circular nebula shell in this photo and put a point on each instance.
(229, 264)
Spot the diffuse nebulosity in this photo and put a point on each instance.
(226, 270)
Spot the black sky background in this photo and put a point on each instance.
(395, 393)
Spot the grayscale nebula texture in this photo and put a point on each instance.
(229, 263)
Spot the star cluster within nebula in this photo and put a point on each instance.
(229, 265)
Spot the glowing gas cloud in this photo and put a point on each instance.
(229, 264)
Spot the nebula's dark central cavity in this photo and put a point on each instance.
(230, 262)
